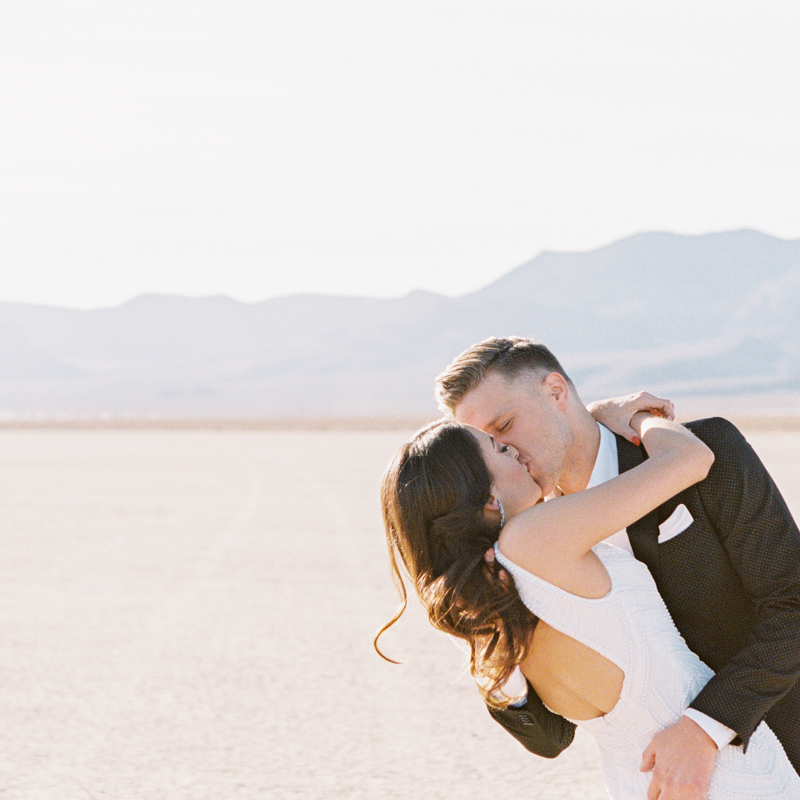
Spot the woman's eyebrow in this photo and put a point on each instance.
(494, 444)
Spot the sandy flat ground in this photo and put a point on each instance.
(189, 614)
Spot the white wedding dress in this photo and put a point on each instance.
(631, 627)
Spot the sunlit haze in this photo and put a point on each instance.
(261, 149)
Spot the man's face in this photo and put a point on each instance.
(527, 412)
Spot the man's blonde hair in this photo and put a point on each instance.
(507, 356)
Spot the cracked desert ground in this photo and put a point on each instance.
(190, 614)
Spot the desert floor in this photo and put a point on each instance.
(190, 614)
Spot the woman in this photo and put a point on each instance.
(583, 619)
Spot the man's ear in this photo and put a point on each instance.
(555, 387)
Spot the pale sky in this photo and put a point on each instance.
(373, 147)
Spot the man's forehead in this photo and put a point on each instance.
(487, 402)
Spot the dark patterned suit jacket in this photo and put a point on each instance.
(731, 582)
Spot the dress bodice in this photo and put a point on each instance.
(632, 627)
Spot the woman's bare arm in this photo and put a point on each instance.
(568, 527)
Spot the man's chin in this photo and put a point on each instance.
(549, 492)
(543, 493)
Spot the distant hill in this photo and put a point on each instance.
(700, 318)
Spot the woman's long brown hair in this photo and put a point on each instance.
(432, 496)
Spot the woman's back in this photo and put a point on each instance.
(570, 678)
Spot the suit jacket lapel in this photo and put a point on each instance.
(643, 534)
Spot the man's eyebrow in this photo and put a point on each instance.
(493, 422)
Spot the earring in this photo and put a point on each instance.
(502, 513)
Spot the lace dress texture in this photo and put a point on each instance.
(631, 627)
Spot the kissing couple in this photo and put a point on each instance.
(653, 599)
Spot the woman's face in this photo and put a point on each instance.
(512, 484)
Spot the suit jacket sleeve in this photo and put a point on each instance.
(535, 727)
(763, 543)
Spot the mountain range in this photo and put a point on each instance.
(703, 319)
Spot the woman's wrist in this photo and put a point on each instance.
(638, 419)
(616, 412)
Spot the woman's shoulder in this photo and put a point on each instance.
(519, 543)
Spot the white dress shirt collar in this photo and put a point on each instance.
(606, 466)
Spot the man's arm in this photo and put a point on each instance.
(535, 727)
(763, 544)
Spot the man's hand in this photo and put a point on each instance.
(682, 758)
(616, 412)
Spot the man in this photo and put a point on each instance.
(725, 555)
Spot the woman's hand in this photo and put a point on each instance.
(616, 413)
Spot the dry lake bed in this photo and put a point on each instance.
(189, 614)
